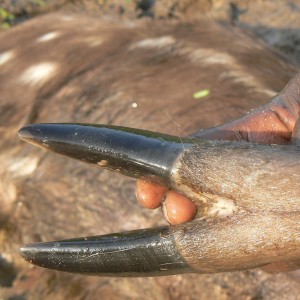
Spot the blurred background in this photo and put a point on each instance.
(276, 22)
(174, 66)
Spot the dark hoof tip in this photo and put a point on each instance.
(26, 133)
(26, 252)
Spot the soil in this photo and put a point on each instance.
(276, 23)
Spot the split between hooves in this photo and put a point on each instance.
(176, 208)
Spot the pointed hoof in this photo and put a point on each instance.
(132, 152)
(149, 252)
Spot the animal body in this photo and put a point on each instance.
(138, 74)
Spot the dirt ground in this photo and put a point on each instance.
(83, 92)
(276, 23)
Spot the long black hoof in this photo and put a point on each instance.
(248, 195)
(149, 252)
(132, 152)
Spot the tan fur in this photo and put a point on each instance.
(261, 182)
(100, 77)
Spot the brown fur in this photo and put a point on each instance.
(257, 178)
(250, 205)
(96, 72)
